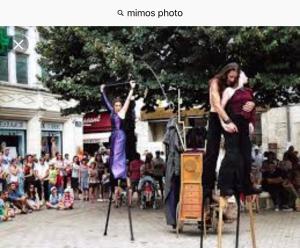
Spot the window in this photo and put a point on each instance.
(4, 64)
(21, 58)
(15, 140)
(22, 68)
(4, 68)
(20, 31)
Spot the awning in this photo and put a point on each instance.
(94, 138)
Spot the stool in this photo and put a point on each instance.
(266, 198)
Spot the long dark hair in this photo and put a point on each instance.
(221, 76)
(31, 193)
(149, 158)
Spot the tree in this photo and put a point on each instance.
(78, 59)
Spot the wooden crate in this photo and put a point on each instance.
(191, 193)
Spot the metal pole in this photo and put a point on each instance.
(129, 217)
(109, 207)
(202, 221)
(237, 233)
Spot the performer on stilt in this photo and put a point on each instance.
(234, 174)
(117, 159)
(227, 76)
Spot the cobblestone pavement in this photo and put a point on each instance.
(83, 228)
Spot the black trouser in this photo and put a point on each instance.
(3, 184)
(160, 182)
(212, 151)
(277, 193)
(234, 174)
(45, 185)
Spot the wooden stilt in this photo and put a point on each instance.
(108, 211)
(252, 221)
(222, 206)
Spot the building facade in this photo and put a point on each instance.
(30, 116)
(281, 128)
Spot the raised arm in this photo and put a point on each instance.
(105, 99)
(123, 111)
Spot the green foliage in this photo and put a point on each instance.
(78, 59)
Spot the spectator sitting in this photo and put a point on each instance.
(296, 179)
(19, 200)
(291, 156)
(53, 199)
(3, 214)
(33, 200)
(10, 210)
(105, 183)
(272, 182)
(66, 201)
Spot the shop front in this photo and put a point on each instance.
(13, 136)
(51, 138)
(96, 131)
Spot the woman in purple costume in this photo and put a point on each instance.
(117, 158)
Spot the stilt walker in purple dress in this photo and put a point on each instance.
(117, 159)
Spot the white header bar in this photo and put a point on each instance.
(150, 13)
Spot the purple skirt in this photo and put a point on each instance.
(118, 154)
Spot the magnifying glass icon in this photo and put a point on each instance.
(120, 12)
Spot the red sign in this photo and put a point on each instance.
(95, 123)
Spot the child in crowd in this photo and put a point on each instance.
(3, 214)
(52, 176)
(54, 199)
(33, 200)
(66, 201)
(105, 183)
(84, 179)
(93, 181)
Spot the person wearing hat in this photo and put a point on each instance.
(67, 200)
(54, 199)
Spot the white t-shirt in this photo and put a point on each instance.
(41, 169)
(75, 170)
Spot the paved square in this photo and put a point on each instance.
(83, 228)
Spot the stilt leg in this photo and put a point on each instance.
(129, 198)
(222, 206)
(252, 221)
(237, 234)
(108, 211)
